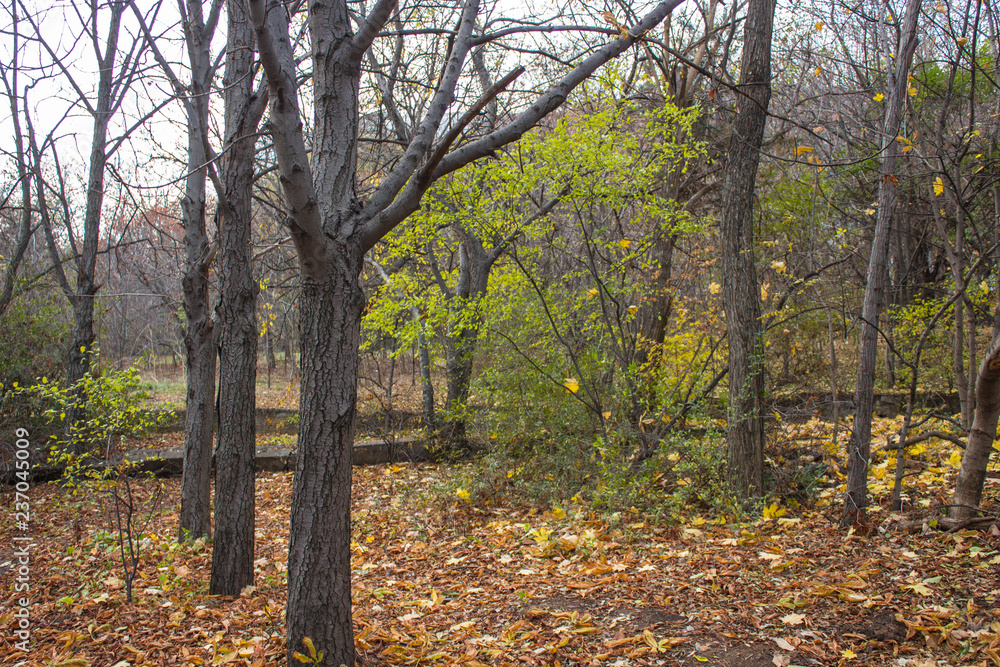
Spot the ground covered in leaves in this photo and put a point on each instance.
(440, 581)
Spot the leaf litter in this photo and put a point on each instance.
(438, 580)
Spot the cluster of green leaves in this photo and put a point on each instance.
(113, 407)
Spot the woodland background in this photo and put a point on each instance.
(698, 278)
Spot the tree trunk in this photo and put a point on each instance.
(473, 281)
(235, 458)
(199, 339)
(332, 230)
(319, 558)
(427, 385)
(859, 445)
(82, 340)
(741, 292)
(972, 474)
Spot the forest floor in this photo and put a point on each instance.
(440, 581)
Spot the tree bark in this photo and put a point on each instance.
(235, 458)
(972, 474)
(199, 339)
(741, 292)
(319, 557)
(859, 445)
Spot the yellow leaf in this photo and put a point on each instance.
(912, 90)
(558, 513)
(463, 494)
(818, 71)
(701, 658)
(793, 619)
(625, 243)
(879, 97)
(606, 415)
(962, 41)
(572, 385)
(938, 186)
(803, 149)
(593, 291)
(955, 460)
(633, 309)
(849, 654)
(714, 288)
(819, 26)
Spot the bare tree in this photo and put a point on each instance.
(332, 230)
(25, 228)
(119, 66)
(859, 446)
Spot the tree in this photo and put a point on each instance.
(859, 445)
(332, 229)
(118, 69)
(199, 337)
(233, 548)
(25, 228)
(741, 292)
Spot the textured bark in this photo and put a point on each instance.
(235, 458)
(199, 339)
(332, 231)
(859, 445)
(741, 292)
(319, 558)
(972, 474)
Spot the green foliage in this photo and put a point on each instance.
(34, 331)
(112, 403)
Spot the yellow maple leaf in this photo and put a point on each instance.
(572, 385)
(625, 243)
(879, 97)
(773, 511)
(938, 186)
(955, 460)
(463, 494)
(849, 654)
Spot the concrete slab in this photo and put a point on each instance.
(170, 462)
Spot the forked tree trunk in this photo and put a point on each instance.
(82, 340)
(474, 268)
(235, 459)
(332, 229)
(741, 293)
(859, 444)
